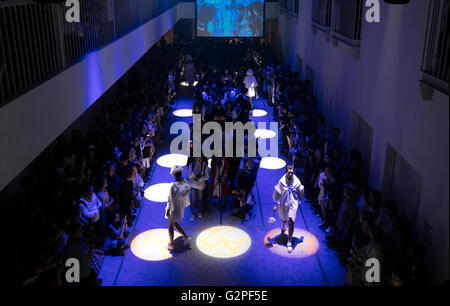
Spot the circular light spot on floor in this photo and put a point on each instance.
(264, 133)
(184, 112)
(258, 113)
(223, 241)
(272, 163)
(152, 244)
(304, 243)
(170, 160)
(185, 84)
(157, 192)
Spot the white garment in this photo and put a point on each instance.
(321, 186)
(201, 169)
(250, 84)
(178, 199)
(288, 197)
(91, 209)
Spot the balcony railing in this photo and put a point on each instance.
(435, 51)
(36, 42)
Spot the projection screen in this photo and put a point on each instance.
(230, 18)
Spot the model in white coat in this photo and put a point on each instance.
(287, 195)
(178, 200)
(250, 84)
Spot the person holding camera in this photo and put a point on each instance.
(287, 195)
(199, 174)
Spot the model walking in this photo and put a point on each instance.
(287, 196)
(178, 200)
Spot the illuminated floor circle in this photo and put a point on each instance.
(183, 112)
(152, 244)
(158, 192)
(223, 242)
(258, 113)
(272, 163)
(264, 133)
(170, 160)
(301, 248)
(184, 83)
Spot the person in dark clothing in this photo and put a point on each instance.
(114, 181)
(419, 274)
(124, 166)
(126, 194)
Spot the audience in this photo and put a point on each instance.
(70, 220)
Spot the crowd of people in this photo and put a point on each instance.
(358, 223)
(83, 200)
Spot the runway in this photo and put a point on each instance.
(234, 254)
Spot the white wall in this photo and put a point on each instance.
(383, 87)
(34, 120)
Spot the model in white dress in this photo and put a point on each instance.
(178, 200)
(251, 84)
(287, 195)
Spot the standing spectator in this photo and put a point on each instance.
(126, 194)
(219, 173)
(333, 141)
(198, 176)
(346, 219)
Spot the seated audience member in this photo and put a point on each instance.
(83, 252)
(90, 204)
(103, 195)
(116, 234)
(92, 209)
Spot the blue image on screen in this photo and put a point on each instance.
(230, 18)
